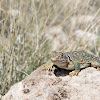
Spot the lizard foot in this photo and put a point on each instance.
(75, 72)
(48, 67)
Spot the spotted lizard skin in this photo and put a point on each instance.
(74, 60)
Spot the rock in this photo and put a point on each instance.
(57, 85)
(14, 12)
(81, 22)
(80, 40)
(57, 36)
(85, 38)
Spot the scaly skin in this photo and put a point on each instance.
(73, 61)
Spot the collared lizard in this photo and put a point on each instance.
(75, 61)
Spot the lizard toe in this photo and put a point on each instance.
(73, 73)
(48, 67)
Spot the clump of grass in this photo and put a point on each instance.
(23, 46)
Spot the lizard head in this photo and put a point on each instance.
(58, 58)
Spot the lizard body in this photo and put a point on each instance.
(75, 60)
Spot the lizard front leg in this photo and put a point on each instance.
(48, 66)
(77, 69)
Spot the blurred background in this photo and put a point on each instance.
(31, 29)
